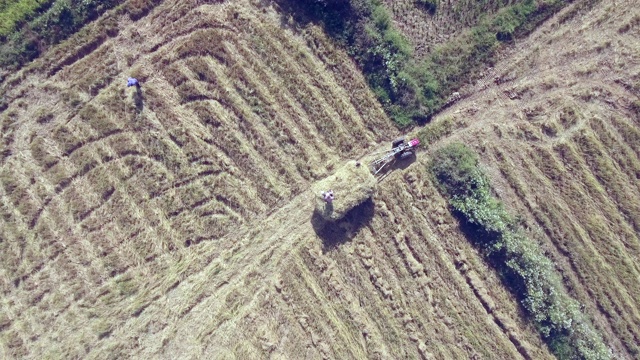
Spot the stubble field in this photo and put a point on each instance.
(174, 221)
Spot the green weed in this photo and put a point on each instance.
(436, 131)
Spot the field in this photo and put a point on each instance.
(558, 130)
(175, 220)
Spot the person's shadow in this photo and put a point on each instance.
(138, 99)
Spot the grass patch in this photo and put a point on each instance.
(12, 13)
(45, 27)
(521, 262)
(29, 27)
(437, 130)
(40, 152)
(137, 9)
(96, 118)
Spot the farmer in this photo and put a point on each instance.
(133, 82)
(327, 196)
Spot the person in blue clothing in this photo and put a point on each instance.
(133, 82)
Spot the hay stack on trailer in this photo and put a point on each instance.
(352, 185)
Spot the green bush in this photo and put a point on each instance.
(364, 27)
(381, 18)
(523, 265)
(508, 21)
(438, 129)
(456, 170)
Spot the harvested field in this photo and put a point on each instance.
(175, 221)
(555, 126)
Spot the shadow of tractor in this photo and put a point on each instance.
(335, 233)
(402, 164)
(398, 164)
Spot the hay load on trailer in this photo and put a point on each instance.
(349, 187)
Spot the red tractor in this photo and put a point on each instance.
(400, 149)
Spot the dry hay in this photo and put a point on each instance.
(352, 185)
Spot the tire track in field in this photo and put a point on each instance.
(242, 279)
(282, 101)
(246, 252)
(573, 213)
(618, 149)
(62, 186)
(40, 267)
(230, 118)
(545, 213)
(616, 259)
(608, 206)
(220, 164)
(599, 164)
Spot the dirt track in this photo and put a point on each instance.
(177, 224)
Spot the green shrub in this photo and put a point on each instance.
(456, 170)
(508, 21)
(381, 18)
(435, 131)
(523, 265)
(400, 116)
(365, 28)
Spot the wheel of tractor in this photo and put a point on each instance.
(397, 142)
(406, 155)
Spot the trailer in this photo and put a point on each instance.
(400, 150)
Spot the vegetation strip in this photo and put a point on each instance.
(523, 265)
